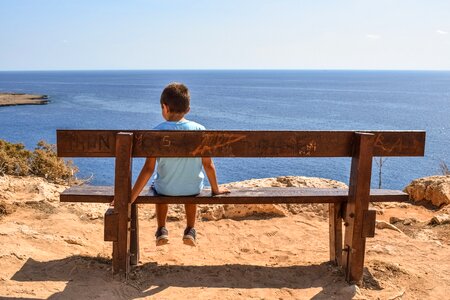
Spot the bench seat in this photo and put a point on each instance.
(259, 195)
(351, 220)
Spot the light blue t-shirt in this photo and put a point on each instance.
(179, 176)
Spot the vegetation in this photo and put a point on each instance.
(444, 168)
(380, 161)
(42, 162)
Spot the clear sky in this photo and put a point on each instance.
(226, 34)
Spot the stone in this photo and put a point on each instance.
(350, 292)
(385, 225)
(230, 211)
(73, 240)
(435, 189)
(409, 221)
(394, 220)
(440, 219)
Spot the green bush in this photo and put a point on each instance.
(42, 162)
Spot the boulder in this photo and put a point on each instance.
(231, 211)
(435, 189)
(26, 187)
(440, 219)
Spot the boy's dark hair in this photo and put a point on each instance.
(176, 96)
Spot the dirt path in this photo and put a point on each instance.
(56, 251)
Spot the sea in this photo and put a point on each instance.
(242, 100)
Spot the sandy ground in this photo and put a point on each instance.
(51, 250)
(8, 99)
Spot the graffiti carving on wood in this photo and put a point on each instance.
(90, 142)
(388, 147)
(138, 139)
(307, 149)
(211, 142)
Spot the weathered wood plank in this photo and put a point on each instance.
(335, 229)
(122, 201)
(105, 194)
(370, 217)
(110, 225)
(134, 244)
(357, 204)
(150, 143)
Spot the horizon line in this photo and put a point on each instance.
(223, 69)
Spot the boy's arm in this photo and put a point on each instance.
(144, 176)
(210, 171)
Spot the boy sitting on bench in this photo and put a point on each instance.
(177, 176)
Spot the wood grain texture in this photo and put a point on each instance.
(110, 225)
(335, 231)
(357, 204)
(105, 194)
(122, 200)
(134, 244)
(370, 218)
(150, 143)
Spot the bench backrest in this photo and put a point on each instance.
(361, 146)
(151, 143)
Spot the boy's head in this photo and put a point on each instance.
(176, 98)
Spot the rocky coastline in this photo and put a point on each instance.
(11, 99)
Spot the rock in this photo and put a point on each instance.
(8, 229)
(440, 219)
(18, 256)
(394, 220)
(387, 249)
(385, 225)
(408, 221)
(435, 189)
(215, 212)
(231, 211)
(23, 187)
(350, 292)
(6, 208)
(28, 231)
(73, 240)
(94, 215)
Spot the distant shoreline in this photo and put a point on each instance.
(11, 99)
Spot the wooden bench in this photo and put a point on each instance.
(346, 207)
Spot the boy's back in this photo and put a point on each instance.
(179, 176)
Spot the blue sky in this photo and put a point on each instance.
(227, 34)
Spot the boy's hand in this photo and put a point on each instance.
(112, 203)
(221, 190)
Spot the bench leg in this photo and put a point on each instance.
(122, 199)
(335, 214)
(134, 246)
(357, 205)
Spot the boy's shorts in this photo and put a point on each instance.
(158, 194)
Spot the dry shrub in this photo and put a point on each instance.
(42, 162)
(14, 159)
(444, 168)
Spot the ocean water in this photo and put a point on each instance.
(246, 100)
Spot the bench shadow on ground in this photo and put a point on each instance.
(90, 277)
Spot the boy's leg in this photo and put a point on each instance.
(189, 236)
(161, 214)
(191, 214)
(162, 237)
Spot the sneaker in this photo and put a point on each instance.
(189, 236)
(162, 236)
